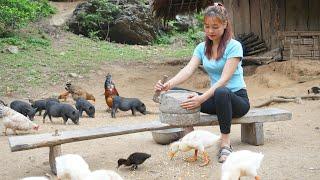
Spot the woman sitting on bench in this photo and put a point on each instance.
(221, 58)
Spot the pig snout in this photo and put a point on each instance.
(142, 108)
(36, 127)
(75, 117)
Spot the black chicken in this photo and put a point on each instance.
(134, 160)
(314, 90)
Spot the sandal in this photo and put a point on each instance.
(224, 151)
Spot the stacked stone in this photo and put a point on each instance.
(172, 113)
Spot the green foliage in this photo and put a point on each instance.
(38, 42)
(17, 13)
(25, 41)
(193, 36)
(200, 18)
(101, 14)
(163, 39)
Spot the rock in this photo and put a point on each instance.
(73, 75)
(32, 159)
(13, 49)
(185, 22)
(127, 21)
(134, 26)
(172, 113)
(58, 21)
(170, 102)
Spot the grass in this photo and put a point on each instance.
(41, 61)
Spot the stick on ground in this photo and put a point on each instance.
(281, 99)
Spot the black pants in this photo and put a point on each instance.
(226, 105)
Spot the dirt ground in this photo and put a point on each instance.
(291, 148)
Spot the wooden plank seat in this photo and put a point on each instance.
(251, 131)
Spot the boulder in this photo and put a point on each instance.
(129, 21)
(185, 22)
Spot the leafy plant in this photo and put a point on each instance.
(200, 17)
(17, 13)
(193, 36)
(24, 41)
(97, 18)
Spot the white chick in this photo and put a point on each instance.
(71, 167)
(103, 175)
(198, 140)
(241, 163)
(36, 178)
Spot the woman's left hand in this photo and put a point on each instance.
(193, 101)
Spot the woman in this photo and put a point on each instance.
(221, 58)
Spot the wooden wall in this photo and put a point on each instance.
(266, 17)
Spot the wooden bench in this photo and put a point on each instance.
(251, 131)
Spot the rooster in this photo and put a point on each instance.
(109, 90)
(15, 121)
(64, 95)
(77, 92)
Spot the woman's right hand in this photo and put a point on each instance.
(162, 87)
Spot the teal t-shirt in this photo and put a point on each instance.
(215, 67)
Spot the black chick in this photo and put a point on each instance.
(134, 160)
(314, 90)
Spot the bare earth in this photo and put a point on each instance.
(291, 148)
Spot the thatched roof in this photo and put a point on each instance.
(168, 9)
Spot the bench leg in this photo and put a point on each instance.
(252, 133)
(54, 152)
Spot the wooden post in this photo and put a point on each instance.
(55, 151)
(252, 133)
